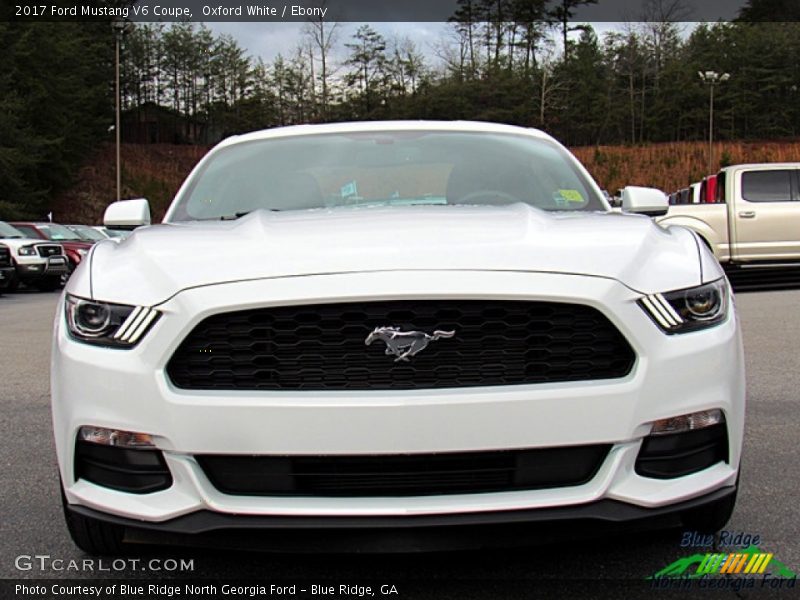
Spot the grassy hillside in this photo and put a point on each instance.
(673, 166)
(156, 171)
(153, 171)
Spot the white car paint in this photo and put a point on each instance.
(190, 270)
(158, 261)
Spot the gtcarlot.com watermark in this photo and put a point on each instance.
(47, 563)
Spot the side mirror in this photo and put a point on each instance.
(127, 214)
(644, 201)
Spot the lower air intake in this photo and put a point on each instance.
(404, 474)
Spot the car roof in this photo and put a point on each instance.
(376, 126)
(775, 165)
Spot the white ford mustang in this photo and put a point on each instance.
(407, 325)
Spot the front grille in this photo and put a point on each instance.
(322, 347)
(5, 257)
(404, 475)
(48, 250)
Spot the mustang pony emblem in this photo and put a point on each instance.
(404, 344)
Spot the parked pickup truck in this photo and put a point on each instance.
(7, 273)
(755, 219)
(37, 263)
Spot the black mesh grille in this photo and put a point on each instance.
(322, 347)
(48, 250)
(5, 257)
(404, 475)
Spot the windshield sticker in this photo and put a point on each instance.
(571, 195)
(349, 189)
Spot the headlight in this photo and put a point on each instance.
(105, 324)
(690, 309)
(26, 251)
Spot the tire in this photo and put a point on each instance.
(13, 285)
(712, 517)
(92, 535)
(64, 277)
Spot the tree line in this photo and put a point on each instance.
(56, 103)
(638, 84)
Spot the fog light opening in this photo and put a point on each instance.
(125, 461)
(683, 445)
(690, 422)
(116, 437)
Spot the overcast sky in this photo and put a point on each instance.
(267, 40)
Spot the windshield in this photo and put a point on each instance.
(87, 233)
(386, 169)
(116, 233)
(9, 232)
(56, 232)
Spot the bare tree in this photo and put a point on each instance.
(659, 20)
(465, 22)
(406, 65)
(453, 53)
(549, 86)
(323, 36)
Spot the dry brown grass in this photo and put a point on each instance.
(153, 171)
(156, 171)
(673, 166)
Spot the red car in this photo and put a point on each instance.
(74, 247)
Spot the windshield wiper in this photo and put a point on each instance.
(234, 216)
(239, 215)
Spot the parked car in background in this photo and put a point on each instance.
(708, 190)
(36, 263)
(423, 325)
(8, 275)
(684, 196)
(113, 234)
(87, 233)
(694, 193)
(755, 218)
(74, 246)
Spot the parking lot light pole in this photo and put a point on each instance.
(712, 78)
(118, 25)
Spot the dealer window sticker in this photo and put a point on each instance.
(571, 196)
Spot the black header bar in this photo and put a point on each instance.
(359, 10)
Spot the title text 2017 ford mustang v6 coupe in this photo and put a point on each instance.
(394, 325)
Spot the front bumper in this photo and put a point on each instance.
(404, 534)
(129, 390)
(7, 275)
(35, 268)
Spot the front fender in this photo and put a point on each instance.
(700, 227)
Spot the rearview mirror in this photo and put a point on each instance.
(644, 201)
(127, 214)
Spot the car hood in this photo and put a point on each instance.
(19, 242)
(158, 261)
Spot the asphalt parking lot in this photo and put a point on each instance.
(32, 523)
